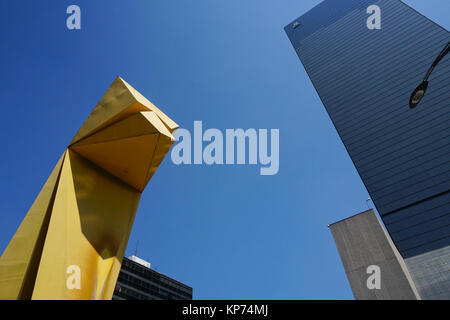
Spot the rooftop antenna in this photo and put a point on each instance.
(367, 202)
(136, 250)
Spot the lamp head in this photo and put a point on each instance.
(418, 94)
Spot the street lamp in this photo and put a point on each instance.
(421, 89)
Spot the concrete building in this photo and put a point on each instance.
(367, 252)
(365, 77)
(137, 281)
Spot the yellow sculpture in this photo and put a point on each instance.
(72, 241)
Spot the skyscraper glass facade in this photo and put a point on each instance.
(364, 78)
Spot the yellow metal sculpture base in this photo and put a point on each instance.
(72, 241)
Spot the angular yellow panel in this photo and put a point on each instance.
(130, 149)
(139, 124)
(120, 101)
(128, 159)
(156, 122)
(90, 224)
(163, 146)
(20, 261)
(170, 124)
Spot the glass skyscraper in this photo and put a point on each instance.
(364, 78)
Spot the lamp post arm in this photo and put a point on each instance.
(441, 55)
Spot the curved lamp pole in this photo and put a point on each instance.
(421, 89)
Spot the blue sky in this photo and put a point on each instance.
(227, 231)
